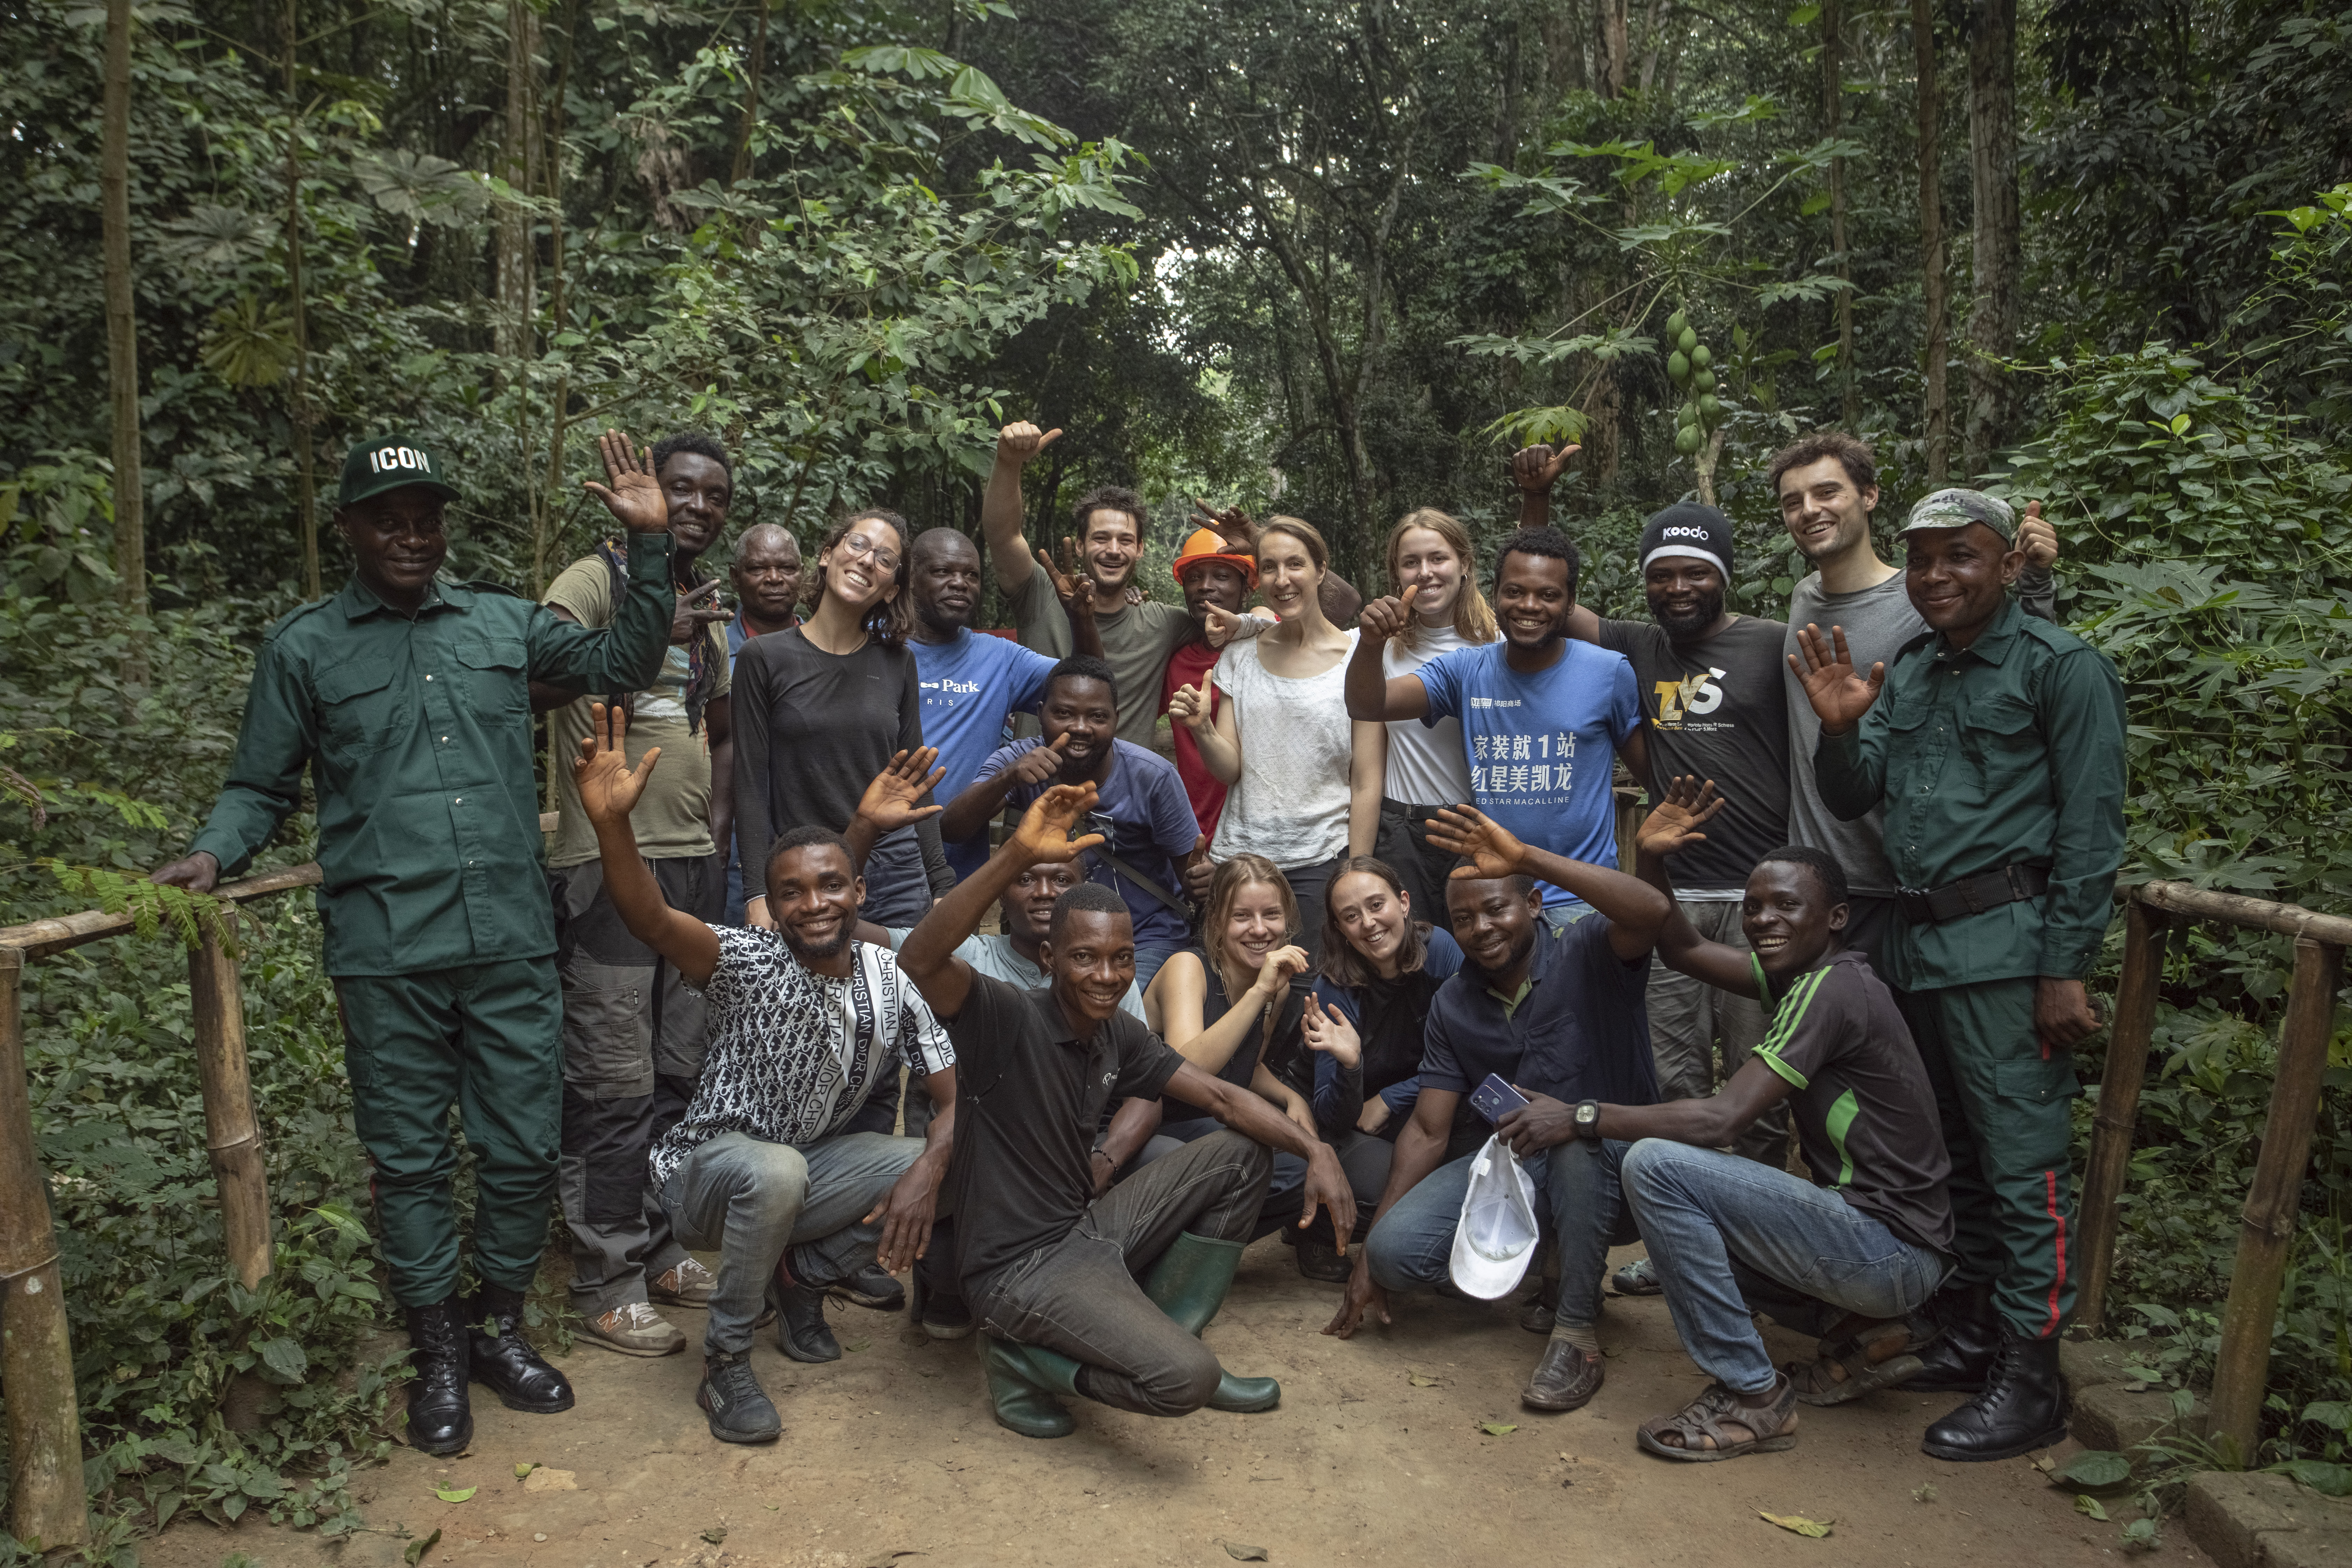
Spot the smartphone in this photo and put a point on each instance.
(1495, 1099)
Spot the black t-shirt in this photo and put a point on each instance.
(1285, 1049)
(1865, 1114)
(1716, 710)
(1028, 1098)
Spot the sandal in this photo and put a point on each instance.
(1844, 1368)
(1699, 1429)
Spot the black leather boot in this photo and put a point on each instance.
(1959, 1360)
(2023, 1407)
(503, 1360)
(440, 1419)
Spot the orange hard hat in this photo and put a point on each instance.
(1207, 545)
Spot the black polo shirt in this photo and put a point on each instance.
(1029, 1095)
(1577, 1030)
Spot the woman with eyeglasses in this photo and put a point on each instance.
(822, 707)
(1306, 781)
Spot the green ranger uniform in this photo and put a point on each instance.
(2009, 753)
(439, 936)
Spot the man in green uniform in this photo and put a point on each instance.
(1996, 743)
(408, 698)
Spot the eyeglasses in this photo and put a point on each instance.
(858, 544)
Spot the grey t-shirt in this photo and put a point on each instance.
(1137, 641)
(1877, 622)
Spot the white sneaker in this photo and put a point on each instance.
(688, 1285)
(635, 1329)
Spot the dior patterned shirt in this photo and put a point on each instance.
(794, 1054)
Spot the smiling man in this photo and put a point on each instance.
(1995, 745)
(1543, 717)
(633, 1030)
(407, 699)
(1214, 574)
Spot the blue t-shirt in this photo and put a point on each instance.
(1540, 747)
(1145, 819)
(1579, 1031)
(970, 683)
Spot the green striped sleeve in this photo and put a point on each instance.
(1841, 1118)
(1786, 1020)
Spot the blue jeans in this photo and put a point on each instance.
(1729, 1237)
(1576, 1204)
(751, 1199)
(1149, 957)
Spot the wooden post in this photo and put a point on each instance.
(232, 1135)
(2119, 1086)
(2268, 1219)
(45, 1506)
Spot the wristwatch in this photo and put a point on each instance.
(1588, 1120)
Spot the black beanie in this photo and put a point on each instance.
(1688, 529)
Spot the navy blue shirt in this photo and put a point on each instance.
(1145, 819)
(1578, 1030)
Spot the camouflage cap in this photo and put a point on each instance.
(1957, 509)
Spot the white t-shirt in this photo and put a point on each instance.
(1427, 764)
(1290, 804)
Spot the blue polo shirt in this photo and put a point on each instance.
(1577, 1031)
(1144, 816)
(970, 683)
(1541, 746)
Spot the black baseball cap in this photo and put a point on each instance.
(389, 463)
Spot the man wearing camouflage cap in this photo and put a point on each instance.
(1995, 742)
(409, 699)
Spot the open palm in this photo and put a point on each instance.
(1674, 822)
(630, 491)
(889, 802)
(1840, 697)
(1487, 843)
(609, 787)
(1044, 830)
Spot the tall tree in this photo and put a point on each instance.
(1998, 260)
(1612, 43)
(516, 257)
(1934, 411)
(1832, 120)
(122, 337)
(299, 412)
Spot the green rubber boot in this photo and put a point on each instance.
(1021, 1383)
(1189, 1283)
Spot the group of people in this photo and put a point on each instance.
(1362, 926)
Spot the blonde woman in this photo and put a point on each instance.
(1306, 781)
(1427, 766)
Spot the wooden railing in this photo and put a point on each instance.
(2267, 1221)
(46, 1502)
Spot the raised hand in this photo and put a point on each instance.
(690, 618)
(889, 803)
(631, 492)
(2036, 537)
(1021, 441)
(1487, 843)
(1045, 831)
(1067, 579)
(1218, 625)
(1189, 706)
(1839, 696)
(1280, 966)
(1325, 1028)
(1040, 763)
(1233, 525)
(1674, 822)
(609, 787)
(1384, 618)
(1539, 467)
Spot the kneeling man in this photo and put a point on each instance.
(805, 1022)
(1048, 1251)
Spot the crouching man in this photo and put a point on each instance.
(1049, 1253)
(805, 1022)
(1855, 1253)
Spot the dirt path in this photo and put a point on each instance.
(889, 1455)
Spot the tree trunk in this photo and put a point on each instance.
(1998, 264)
(298, 415)
(543, 500)
(511, 334)
(1935, 413)
(1832, 118)
(122, 342)
(1563, 37)
(1610, 47)
(750, 120)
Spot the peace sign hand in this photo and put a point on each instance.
(1075, 602)
(632, 495)
(1233, 525)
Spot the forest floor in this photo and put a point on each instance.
(1379, 1454)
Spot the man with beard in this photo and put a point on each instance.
(1712, 707)
(766, 575)
(805, 1021)
(407, 699)
(1213, 574)
(1141, 814)
(1136, 638)
(1543, 717)
(633, 1031)
(970, 683)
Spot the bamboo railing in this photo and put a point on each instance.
(2267, 1220)
(45, 1500)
